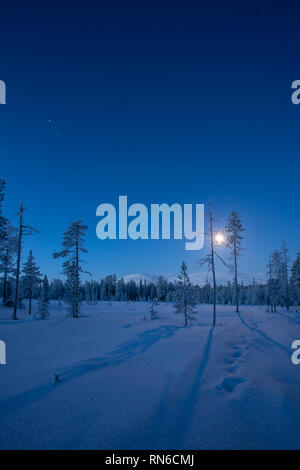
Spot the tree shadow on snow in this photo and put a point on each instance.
(123, 353)
(188, 405)
(184, 409)
(264, 335)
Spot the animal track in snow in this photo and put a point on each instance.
(236, 354)
(230, 381)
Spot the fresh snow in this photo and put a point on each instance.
(128, 382)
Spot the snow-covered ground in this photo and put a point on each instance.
(128, 382)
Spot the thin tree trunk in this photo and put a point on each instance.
(30, 296)
(76, 275)
(5, 278)
(18, 263)
(235, 278)
(185, 312)
(213, 268)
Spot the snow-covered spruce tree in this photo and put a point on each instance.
(73, 243)
(24, 230)
(7, 255)
(44, 299)
(153, 312)
(184, 295)
(234, 230)
(295, 280)
(31, 278)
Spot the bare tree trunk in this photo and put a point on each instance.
(76, 276)
(236, 278)
(213, 266)
(18, 262)
(30, 296)
(5, 278)
(185, 310)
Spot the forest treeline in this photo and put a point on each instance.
(110, 288)
(21, 278)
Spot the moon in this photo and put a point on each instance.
(219, 238)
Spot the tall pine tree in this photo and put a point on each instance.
(234, 230)
(73, 243)
(24, 230)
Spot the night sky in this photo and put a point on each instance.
(160, 101)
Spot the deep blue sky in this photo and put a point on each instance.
(162, 101)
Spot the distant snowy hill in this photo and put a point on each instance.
(199, 278)
(141, 277)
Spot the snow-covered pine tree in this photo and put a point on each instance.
(184, 295)
(234, 230)
(295, 280)
(153, 312)
(24, 230)
(44, 299)
(7, 255)
(72, 295)
(73, 243)
(31, 278)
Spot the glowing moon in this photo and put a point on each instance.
(219, 238)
